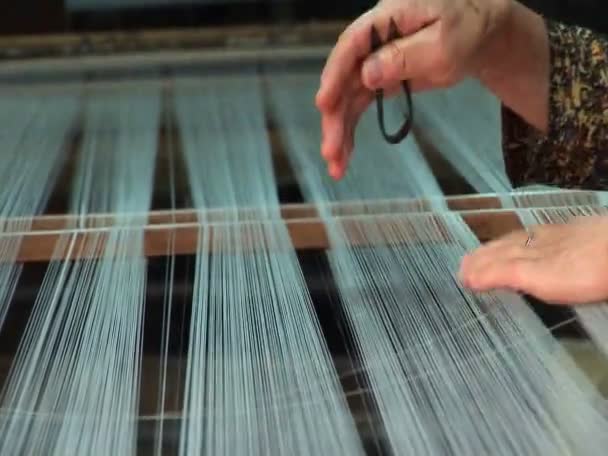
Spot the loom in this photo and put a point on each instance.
(180, 276)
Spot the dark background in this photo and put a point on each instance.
(55, 16)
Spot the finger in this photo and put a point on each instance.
(339, 127)
(358, 108)
(505, 248)
(338, 166)
(332, 126)
(354, 44)
(475, 265)
(517, 237)
(520, 274)
(334, 122)
(421, 85)
(334, 171)
(540, 236)
(512, 245)
(499, 246)
(532, 277)
(417, 56)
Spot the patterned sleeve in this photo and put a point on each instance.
(574, 152)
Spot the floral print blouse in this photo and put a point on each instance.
(574, 152)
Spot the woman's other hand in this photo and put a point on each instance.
(563, 263)
(443, 41)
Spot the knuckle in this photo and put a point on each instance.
(400, 17)
(357, 29)
(393, 60)
(443, 54)
(394, 52)
(350, 33)
(345, 37)
(451, 18)
(444, 65)
(344, 34)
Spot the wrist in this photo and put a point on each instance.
(514, 64)
(491, 60)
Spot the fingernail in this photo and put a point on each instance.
(372, 72)
(327, 150)
(318, 101)
(335, 171)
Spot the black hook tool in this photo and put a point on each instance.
(401, 134)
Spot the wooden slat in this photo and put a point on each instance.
(183, 239)
(14, 72)
(113, 42)
(288, 212)
(178, 231)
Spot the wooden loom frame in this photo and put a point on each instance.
(178, 232)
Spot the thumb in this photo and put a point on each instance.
(415, 56)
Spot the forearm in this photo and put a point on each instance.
(515, 66)
(552, 79)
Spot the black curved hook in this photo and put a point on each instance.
(401, 134)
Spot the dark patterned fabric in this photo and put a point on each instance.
(574, 153)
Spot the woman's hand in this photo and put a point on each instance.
(442, 44)
(563, 263)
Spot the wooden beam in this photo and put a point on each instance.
(15, 71)
(185, 238)
(114, 42)
(292, 212)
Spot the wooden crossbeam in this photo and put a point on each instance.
(180, 232)
(116, 42)
(183, 239)
(287, 212)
